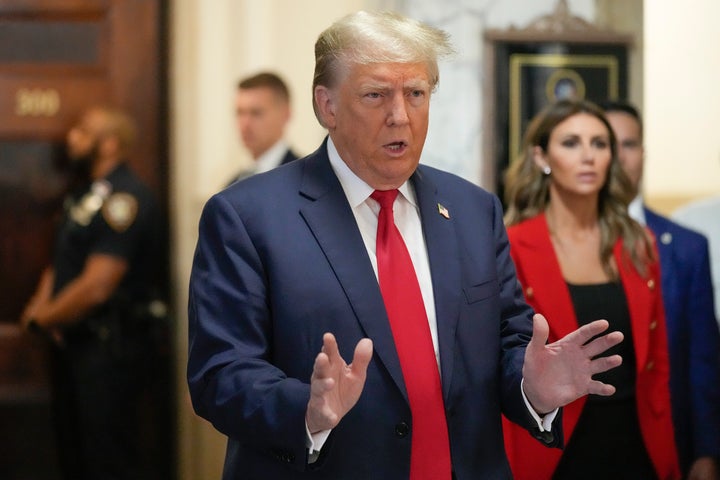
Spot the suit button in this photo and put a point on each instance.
(402, 429)
(529, 292)
(650, 365)
(651, 284)
(653, 325)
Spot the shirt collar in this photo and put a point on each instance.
(272, 157)
(636, 211)
(356, 190)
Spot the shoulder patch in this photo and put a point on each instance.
(120, 211)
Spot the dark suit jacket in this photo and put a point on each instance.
(289, 157)
(545, 289)
(280, 261)
(693, 338)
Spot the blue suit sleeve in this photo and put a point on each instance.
(516, 332)
(232, 382)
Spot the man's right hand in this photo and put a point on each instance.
(335, 386)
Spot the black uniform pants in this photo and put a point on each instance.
(96, 389)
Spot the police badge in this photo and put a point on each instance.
(120, 211)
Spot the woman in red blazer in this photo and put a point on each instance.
(579, 257)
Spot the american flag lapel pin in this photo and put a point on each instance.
(443, 211)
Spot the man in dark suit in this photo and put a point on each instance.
(262, 112)
(296, 270)
(693, 338)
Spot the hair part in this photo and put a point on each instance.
(364, 38)
(527, 188)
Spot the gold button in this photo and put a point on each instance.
(653, 325)
(529, 292)
(649, 365)
(651, 284)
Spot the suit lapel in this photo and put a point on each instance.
(444, 258)
(331, 220)
(544, 285)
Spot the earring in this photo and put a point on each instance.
(546, 170)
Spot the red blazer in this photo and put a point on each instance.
(545, 290)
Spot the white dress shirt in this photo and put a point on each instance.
(272, 157)
(636, 210)
(407, 220)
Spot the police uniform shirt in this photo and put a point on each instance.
(114, 216)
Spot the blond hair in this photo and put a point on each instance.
(364, 38)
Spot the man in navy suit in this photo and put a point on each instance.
(284, 287)
(262, 112)
(693, 337)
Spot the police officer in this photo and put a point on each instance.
(92, 302)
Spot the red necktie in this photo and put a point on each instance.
(430, 448)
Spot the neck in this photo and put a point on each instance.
(571, 216)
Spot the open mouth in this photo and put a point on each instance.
(396, 146)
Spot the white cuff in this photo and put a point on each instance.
(315, 442)
(544, 423)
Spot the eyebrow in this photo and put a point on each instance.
(573, 135)
(417, 85)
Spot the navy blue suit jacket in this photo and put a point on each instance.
(289, 157)
(280, 261)
(693, 338)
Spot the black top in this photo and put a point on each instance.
(606, 442)
(607, 300)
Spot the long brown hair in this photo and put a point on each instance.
(527, 188)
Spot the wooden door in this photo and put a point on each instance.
(56, 58)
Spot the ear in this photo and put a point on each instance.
(326, 104)
(539, 157)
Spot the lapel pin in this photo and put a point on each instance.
(443, 211)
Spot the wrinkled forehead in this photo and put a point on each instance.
(410, 74)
